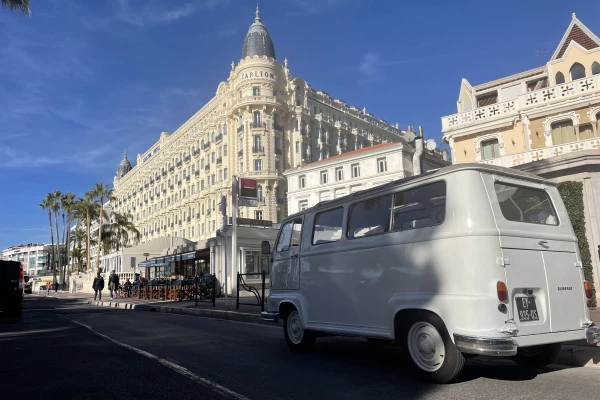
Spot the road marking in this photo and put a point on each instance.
(181, 370)
(33, 332)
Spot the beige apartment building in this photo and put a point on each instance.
(261, 121)
(545, 120)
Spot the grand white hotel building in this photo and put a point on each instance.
(261, 122)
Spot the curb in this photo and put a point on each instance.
(201, 312)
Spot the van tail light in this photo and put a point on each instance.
(502, 291)
(21, 273)
(588, 289)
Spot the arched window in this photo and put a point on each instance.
(577, 71)
(563, 132)
(560, 78)
(595, 68)
(490, 149)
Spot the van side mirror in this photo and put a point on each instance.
(265, 246)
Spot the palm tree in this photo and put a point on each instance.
(47, 205)
(67, 204)
(77, 253)
(86, 209)
(123, 229)
(55, 207)
(102, 193)
(16, 5)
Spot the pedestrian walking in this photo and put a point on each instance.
(98, 286)
(113, 284)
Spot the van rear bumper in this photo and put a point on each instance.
(500, 347)
(592, 334)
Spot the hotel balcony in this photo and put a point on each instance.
(512, 160)
(529, 101)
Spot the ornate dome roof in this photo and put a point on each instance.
(124, 167)
(257, 41)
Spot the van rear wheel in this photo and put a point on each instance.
(537, 356)
(297, 338)
(431, 349)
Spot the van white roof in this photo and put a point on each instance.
(490, 169)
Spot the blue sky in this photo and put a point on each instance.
(84, 80)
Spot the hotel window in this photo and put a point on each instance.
(225, 173)
(355, 170)
(258, 165)
(259, 193)
(339, 174)
(256, 122)
(577, 71)
(212, 179)
(212, 157)
(202, 184)
(490, 149)
(323, 177)
(302, 205)
(586, 132)
(297, 146)
(256, 91)
(563, 132)
(225, 128)
(381, 165)
(302, 181)
(224, 150)
(258, 214)
(256, 144)
(595, 68)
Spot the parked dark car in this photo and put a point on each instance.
(11, 287)
(27, 285)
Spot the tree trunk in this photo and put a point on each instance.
(51, 262)
(87, 250)
(99, 246)
(57, 247)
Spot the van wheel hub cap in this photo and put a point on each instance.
(426, 346)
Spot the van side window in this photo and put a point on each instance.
(370, 217)
(328, 226)
(524, 204)
(420, 207)
(285, 237)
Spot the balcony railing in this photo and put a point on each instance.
(258, 149)
(512, 160)
(536, 99)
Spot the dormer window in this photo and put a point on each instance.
(560, 78)
(595, 68)
(577, 71)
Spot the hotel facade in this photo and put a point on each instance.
(261, 122)
(545, 120)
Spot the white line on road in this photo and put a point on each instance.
(169, 364)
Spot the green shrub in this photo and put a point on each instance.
(572, 195)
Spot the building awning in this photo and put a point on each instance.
(188, 256)
(145, 264)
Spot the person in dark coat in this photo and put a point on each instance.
(98, 286)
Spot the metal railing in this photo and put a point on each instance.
(241, 283)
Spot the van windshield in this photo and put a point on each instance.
(525, 204)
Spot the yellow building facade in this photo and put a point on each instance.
(545, 120)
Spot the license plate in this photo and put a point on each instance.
(527, 309)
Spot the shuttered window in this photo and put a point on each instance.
(563, 132)
(490, 149)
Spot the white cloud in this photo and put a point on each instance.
(370, 68)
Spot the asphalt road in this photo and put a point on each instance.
(62, 350)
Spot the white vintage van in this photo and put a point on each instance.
(467, 260)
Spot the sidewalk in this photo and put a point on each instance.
(578, 353)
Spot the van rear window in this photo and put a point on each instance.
(525, 204)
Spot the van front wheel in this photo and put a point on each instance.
(537, 356)
(431, 349)
(297, 338)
